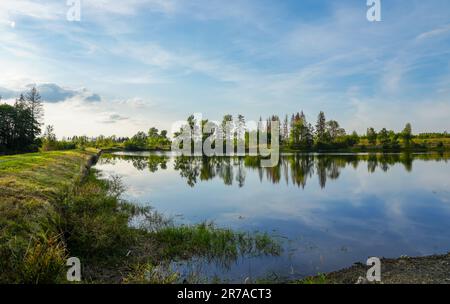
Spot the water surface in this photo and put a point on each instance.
(328, 211)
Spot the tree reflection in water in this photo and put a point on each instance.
(292, 168)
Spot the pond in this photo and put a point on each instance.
(328, 210)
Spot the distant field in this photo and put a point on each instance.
(433, 141)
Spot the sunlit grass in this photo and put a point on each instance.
(31, 247)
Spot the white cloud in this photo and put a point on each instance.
(434, 33)
(130, 7)
(52, 93)
(10, 9)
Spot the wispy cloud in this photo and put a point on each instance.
(444, 30)
(113, 118)
(131, 7)
(49, 10)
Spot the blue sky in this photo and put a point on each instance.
(129, 65)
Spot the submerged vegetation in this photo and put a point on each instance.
(52, 209)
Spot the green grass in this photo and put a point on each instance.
(222, 246)
(39, 175)
(433, 142)
(31, 245)
(51, 210)
(316, 280)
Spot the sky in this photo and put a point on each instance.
(129, 65)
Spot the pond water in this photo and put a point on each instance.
(329, 211)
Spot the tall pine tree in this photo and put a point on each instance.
(34, 103)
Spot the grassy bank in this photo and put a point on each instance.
(52, 208)
(31, 245)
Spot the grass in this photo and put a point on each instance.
(31, 246)
(417, 144)
(434, 142)
(51, 210)
(222, 246)
(316, 280)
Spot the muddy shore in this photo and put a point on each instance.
(405, 270)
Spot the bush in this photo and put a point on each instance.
(55, 145)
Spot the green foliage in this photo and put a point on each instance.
(372, 136)
(407, 135)
(301, 134)
(148, 273)
(383, 137)
(40, 259)
(20, 124)
(50, 143)
(316, 280)
(433, 135)
(334, 131)
(96, 221)
(44, 261)
(321, 131)
(215, 244)
(151, 141)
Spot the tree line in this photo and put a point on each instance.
(297, 133)
(21, 123)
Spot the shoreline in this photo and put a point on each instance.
(432, 269)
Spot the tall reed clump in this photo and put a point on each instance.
(31, 248)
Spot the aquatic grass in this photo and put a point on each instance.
(219, 245)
